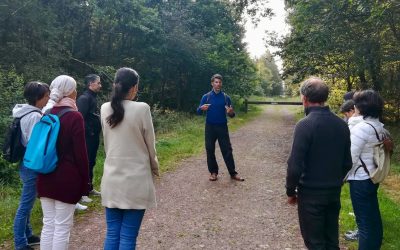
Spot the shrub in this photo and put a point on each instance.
(8, 173)
(165, 120)
(11, 93)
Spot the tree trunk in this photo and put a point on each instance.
(363, 80)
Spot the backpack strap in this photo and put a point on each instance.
(226, 103)
(376, 132)
(63, 112)
(35, 110)
(364, 166)
(60, 113)
(208, 96)
(225, 97)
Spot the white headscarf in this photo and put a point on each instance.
(60, 87)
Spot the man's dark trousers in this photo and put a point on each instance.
(92, 145)
(318, 217)
(219, 132)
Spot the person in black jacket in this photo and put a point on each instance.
(319, 161)
(87, 105)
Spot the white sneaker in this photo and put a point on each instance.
(80, 207)
(95, 192)
(86, 199)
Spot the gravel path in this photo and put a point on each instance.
(194, 213)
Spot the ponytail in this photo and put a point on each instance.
(125, 79)
(116, 103)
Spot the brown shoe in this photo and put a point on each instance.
(236, 177)
(213, 177)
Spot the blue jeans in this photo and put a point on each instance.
(368, 217)
(122, 228)
(22, 225)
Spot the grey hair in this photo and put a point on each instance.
(315, 90)
(91, 78)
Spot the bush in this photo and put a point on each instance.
(12, 88)
(336, 99)
(8, 173)
(165, 120)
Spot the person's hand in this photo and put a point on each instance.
(229, 110)
(292, 200)
(205, 107)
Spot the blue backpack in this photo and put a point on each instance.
(41, 151)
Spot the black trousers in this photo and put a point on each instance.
(220, 133)
(319, 220)
(92, 145)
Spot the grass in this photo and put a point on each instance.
(181, 138)
(390, 211)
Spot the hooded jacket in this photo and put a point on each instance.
(28, 121)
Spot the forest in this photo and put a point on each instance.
(354, 44)
(176, 46)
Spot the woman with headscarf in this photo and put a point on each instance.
(61, 189)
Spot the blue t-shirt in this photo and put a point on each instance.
(216, 113)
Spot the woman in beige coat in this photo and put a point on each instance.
(127, 187)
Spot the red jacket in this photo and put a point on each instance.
(70, 179)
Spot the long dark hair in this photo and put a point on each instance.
(124, 80)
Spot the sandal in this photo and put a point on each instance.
(236, 177)
(213, 177)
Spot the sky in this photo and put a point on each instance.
(255, 36)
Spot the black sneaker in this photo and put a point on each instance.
(33, 240)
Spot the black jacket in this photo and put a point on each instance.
(320, 157)
(87, 105)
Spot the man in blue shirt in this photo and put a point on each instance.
(217, 105)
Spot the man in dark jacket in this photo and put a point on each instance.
(87, 105)
(319, 161)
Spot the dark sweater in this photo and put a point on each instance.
(87, 105)
(320, 156)
(70, 180)
(216, 113)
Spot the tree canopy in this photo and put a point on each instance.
(353, 43)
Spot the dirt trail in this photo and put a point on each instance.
(194, 213)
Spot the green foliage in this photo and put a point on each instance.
(8, 172)
(335, 99)
(322, 43)
(389, 212)
(394, 130)
(174, 45)
(268, 75)
(165, 121)
(11, 93)
(9, 201)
